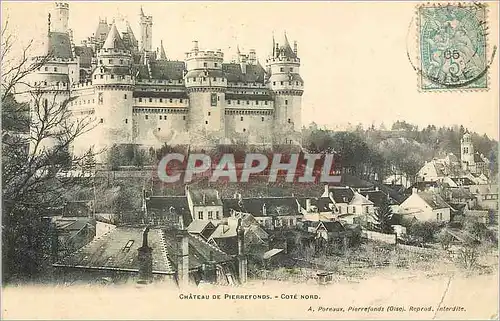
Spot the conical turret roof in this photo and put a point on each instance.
(114, 41)
(285, 48)
(163, 55)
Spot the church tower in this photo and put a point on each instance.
(287, 86)
(146, 32)
(467, 152)
(114, 86)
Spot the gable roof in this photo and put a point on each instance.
(341, 194)
(205, 197)
(273, 206)
(359, 199)
(174, 204)
(435, 201)
(332, 226)
(462, 181)
(198, 226)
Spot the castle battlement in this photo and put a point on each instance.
(139, 96)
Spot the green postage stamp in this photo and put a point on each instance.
(452, 46)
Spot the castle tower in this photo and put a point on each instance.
(467, 152)
(287, 86)
(146, 32)
(113, 82)
(60, 17)
(49, 85)
(206, 87)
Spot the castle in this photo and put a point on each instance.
(136, 95)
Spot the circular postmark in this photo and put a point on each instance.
(452, 46)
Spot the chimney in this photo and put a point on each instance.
(295, 47)
(209, 270)
(242, 260)
(182, 257)
(145, 258)
(308, 205)
(217, 193)
(326, 189)
(264, 210)
(195, 45)
(376, 189)
(204, 198)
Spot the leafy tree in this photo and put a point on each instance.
(422, 232)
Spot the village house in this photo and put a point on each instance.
(426, 207)
(204, 204)
(486, 195)
(349, 205)
(144, 254)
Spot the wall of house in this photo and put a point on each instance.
(205, 211)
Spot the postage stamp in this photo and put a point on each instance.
(452, 46)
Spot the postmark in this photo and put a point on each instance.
(452, 46)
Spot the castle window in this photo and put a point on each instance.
(291, 69)
(183, 117)
(140, 100)
(216, 65)
(209, 114)
(161, 100)
(110, 61)
(45, 83)
(102, 120)
(125, 96)
(265, 102)
(150, 100)
(228, 102)
(159, 128)
(121, 61)
(289, 120)
(170, 100)
(215, 79)
(160, 117)
(112, 76)
(204, 78)
(282, 69)
(164, 117)
(100, 99)
(248, 102)
(217, 215)
(244, 129)
(102, 76)
(274, 83)
(194, 79)
(238, 102)
(262, 118)
(126, 121)
(282, 83)
(181, 101)
(146, 116)
(241, 118)
(100, 61)
(55, 68)
(205, 64)
(206, 122)
(286, 101)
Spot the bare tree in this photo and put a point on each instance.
(32, 184)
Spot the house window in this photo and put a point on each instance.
(200, 215)
(55, 68)
(367, 211)
(238, 102)
(354, 210)
(102, 76)
(210, 215)
(204, 78)
(99, 98)
(164, 117)
(217, 215)
(46, 68)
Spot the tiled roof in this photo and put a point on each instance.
(234, 73)
(202, 197)
(322, 203)
(59, 45)
(434, 200)
(463, 181)
(230, 204)
(110, 252)
(378, 198)
(274, 206)
(197, 226)
(341, 194)
(176, 204)
(164, 69)
(331, 226)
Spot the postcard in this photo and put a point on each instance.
(250, 160)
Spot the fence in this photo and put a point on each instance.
(381, 237)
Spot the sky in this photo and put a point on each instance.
(354, 55)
